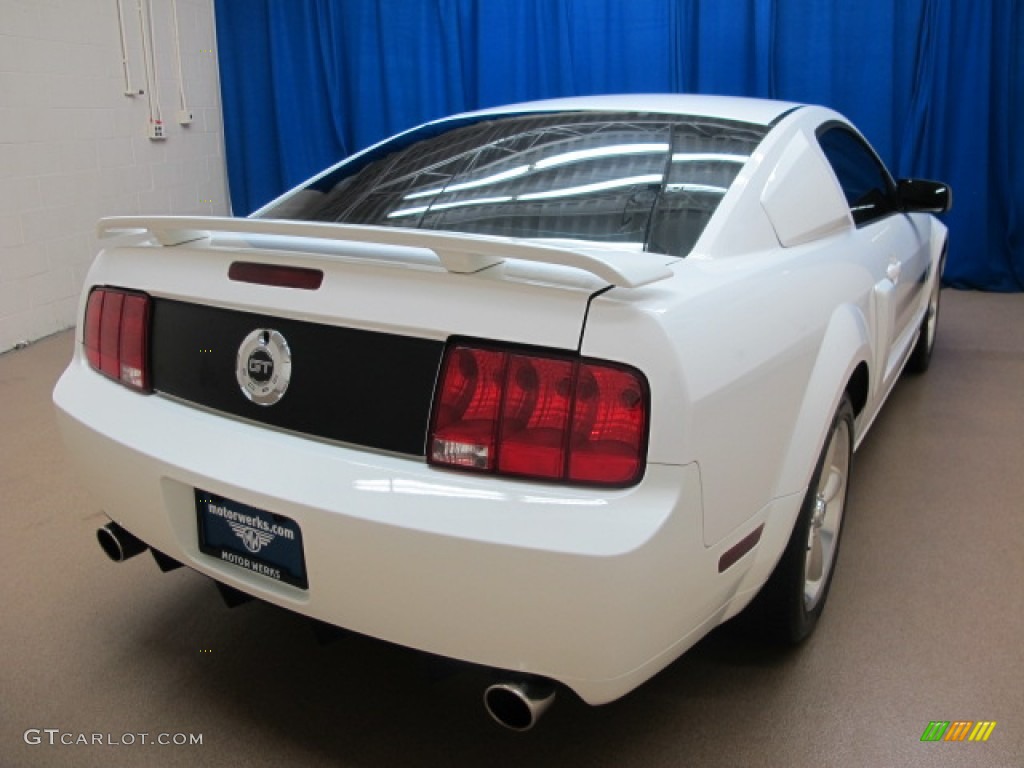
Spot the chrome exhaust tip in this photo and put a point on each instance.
(118, 544)
(519, 705)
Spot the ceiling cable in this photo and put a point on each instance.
(152, 59)
(128, 90)
(182, 102)
(145, 61)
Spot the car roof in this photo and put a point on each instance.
(750, 110)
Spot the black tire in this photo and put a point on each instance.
(789, 605)
(921, 357)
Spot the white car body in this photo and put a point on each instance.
(748, 345)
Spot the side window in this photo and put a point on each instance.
(865, 182)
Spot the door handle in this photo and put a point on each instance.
(893, 270)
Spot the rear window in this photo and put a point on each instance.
(640, 181)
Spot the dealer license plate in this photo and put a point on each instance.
(250, 538)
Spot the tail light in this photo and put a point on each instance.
(117, 336)
(543, 416)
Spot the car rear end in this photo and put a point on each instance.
(387, 510)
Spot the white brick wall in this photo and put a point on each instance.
(74, 148)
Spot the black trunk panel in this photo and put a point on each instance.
(361, 387)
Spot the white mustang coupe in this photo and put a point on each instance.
(554, 389)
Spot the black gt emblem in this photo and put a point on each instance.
(264, 366)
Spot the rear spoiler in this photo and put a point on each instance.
(461, 253)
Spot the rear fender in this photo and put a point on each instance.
(846, 344)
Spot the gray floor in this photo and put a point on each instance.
(925, 621)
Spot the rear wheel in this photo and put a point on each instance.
(791, 601)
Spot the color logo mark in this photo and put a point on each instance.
(958, 730)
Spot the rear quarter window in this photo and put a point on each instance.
(865, 182)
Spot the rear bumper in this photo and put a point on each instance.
(595, 589)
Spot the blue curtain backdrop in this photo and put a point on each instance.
(936, 85)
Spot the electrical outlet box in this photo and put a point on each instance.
(156, 130)
(184, 116)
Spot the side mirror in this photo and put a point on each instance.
(925, 196)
